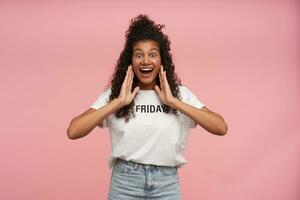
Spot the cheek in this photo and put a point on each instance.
(157, 61)
(135, 65)
(156, 72)
(135, 70)
(136, 59)
(133, 61)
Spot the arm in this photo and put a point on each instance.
(210, 121)
(83, 124)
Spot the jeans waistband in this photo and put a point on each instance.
(136, 164)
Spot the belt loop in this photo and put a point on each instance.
(135, 166)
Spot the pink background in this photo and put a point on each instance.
(241, 58)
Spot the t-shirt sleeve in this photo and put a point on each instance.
(191, 99)
(101, 101)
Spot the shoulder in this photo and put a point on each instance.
(105, 93)
(184, 92)
(107, 90)
(182, 88)
(102, 99)
(189, 97)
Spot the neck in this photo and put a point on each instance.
(146, 86)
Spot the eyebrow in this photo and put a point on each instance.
(137, 49)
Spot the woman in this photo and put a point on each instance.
(148, 113)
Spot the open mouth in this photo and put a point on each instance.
(146, 71)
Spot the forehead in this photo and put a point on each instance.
(146, 45)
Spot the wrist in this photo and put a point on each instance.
(174, 103)
(119, 102)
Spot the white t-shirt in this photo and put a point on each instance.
(152, 136)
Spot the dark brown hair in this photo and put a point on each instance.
(142, 28)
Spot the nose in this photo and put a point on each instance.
(146, 60)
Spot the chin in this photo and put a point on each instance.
(146, 81)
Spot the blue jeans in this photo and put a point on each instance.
(135, 181)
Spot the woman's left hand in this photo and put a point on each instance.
(164, 92)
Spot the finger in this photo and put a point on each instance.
(128, 74)
(162, 75)
(165, 78)
(128, 79)
(131, 80)
(135, 91)
(124, 84)
(157, 90)
(160, 78)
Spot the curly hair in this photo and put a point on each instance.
(141, 29)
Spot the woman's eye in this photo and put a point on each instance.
(138, 55)
(153, 54)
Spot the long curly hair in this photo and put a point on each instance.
(143, 28)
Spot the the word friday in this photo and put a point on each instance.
(150, 108)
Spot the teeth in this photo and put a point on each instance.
(146, 69)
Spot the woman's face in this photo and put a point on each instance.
(146, 63)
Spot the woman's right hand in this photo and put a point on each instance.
(83, 124)
(126, 96)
